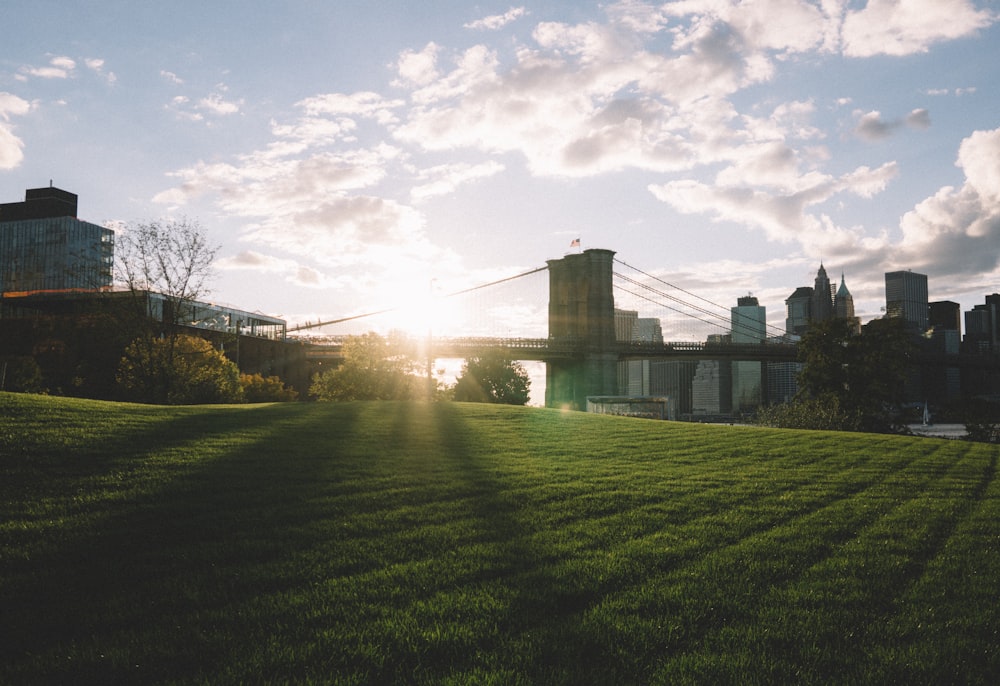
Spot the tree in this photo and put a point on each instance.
(198, 373)
(493, 378)
(373, 368)
(173, 259)
(265, 389)
(861, 375)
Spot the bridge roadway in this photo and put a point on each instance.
(544, 349)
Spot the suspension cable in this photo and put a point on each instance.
(302, 327)
(775, 331)
(672, 309)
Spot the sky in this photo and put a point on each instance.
(355, 155)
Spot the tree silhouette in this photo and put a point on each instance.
(493, 378)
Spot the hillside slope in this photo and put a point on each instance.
(453, 543)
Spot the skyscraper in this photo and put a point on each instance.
(822, 300)
(982, 327)
(798, 307)
(906, 297)
(843, 304)
(749, 322)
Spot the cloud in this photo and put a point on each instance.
(444, 179)
(948, 91)
(293, 271)
(216, 104)
(11, 147)
(364, 104)
(872, 127)
(417, 68)
(172, 77)
(59, 67)
(783, 216)
(657, 88)
(96, 65)
(497, 21)
(918, 119)
(598, 97)
(957, 230)
(905, 27)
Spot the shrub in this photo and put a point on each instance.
(265, 389)
(823, 412)
(20, 373)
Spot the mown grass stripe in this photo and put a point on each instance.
(395, 542)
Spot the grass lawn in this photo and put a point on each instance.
(377, 543)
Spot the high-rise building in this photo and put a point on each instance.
(711, 388)
(798, 309)
(843, 304)
(944, 314)
(822, 300)
(44, 247)
(749, 324)
(943, 383)
(982, 337)
(634, 376)
(625, 323)
(906, 298)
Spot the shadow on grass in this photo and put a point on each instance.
(149, 590)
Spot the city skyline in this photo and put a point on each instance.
(346, 157)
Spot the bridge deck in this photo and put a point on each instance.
(543, 349)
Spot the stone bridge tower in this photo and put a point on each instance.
(581, 317)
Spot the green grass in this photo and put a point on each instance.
(374, 543)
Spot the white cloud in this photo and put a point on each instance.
(250, 259)
(497, 21)
(782, 215)
(591, 98)
(362, 104)
(216, 104)
(172, 77)
(96, 65)
(444, 179)
(418, 68)
(957, 230)
(11, 147)
(60, 67)
(905, 27)
(292, 271)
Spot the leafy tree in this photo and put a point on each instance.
(173, 259)
(186, 370)
(265, 389)
(373, 368)
(825, 351)
(862, 375)
(493, 378)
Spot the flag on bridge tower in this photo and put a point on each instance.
(575, 243)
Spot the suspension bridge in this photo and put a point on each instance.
(587, 330)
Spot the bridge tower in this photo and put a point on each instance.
(581, 317)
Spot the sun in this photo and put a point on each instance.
(426, 313)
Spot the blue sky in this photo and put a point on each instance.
(346, 154)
